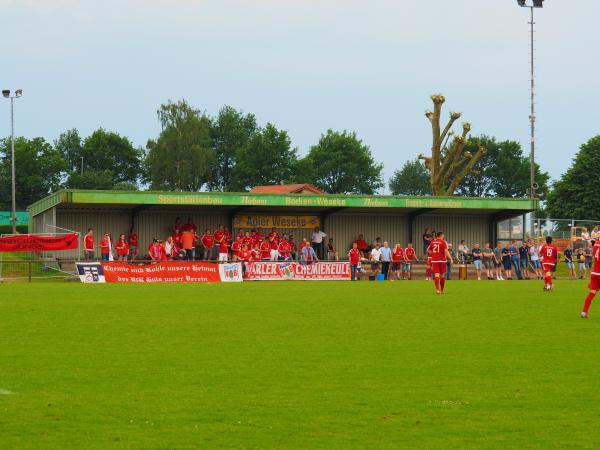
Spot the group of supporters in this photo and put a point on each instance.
(366, 262)
(185, 243)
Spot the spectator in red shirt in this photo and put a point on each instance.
(259, 234)
(354, 257)
(293, 247)
(88, 245)
(397, 261)
(122, 248)
(284, 248)
(157, 251)
(247, 240)
(236, 247)
(274, 234)
(409, 255)
(208, 242)
(255, 253)
(134, 244)
(190, 226)
(177, 227)
(265, 250)
(219, 236)
(245, 256)
(361, 244)
(105, 247)
(228, 235)
(274, 255)
(223, 250)
(303, 244)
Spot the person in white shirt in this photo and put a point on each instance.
(375, 258)
(585, 235)
(534, 256)
(463, 251)
(316, 242)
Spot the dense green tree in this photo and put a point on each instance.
(38, 171)
(504, 171)
(268, 158)
(412, 179)
(574, 196)
(342, 164)
(230, 132)
(70, 146)
(90, 179)
(182, 158)
(100, 161)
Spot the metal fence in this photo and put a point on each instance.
(36, 270)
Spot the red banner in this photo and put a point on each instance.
(33, 243)
(293, 270)
(171, 272)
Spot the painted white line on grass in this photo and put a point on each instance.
(6, 392)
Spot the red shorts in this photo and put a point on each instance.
(594, 283)
(439, 267)
(548, 267)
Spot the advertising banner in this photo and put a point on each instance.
(293, 270)
(161, 272)
(90, 272)
(277, 221)
(34, 243)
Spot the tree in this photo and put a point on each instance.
(504, 171)
(181, 159)
(108, 159)
(412, 179)
(575, 195)
(268, 158)
(230, 132)
(341, 164)
(70, 146)
(38, 171)
(448, 166)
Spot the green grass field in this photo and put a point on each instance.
(298, 365)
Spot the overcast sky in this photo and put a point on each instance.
(306, 66)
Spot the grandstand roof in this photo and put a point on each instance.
(301, 188)
(237, 202)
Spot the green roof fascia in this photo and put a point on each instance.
(288, 200)
(47, 203)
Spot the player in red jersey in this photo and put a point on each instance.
(548, 253)
(438, 251)
(594, 285)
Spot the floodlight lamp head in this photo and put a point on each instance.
(538, 3)
(18, 93)
(521, 2)
(6, 92)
